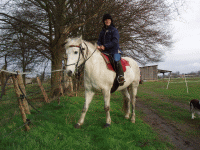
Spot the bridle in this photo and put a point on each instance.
(81, 51)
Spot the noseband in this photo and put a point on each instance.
(81, 50)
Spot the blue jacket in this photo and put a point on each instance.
(109, 38)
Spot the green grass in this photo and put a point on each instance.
(175, 91)
(54, 128)
(156, 96)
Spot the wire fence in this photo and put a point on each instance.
(33, 92)
(186, 81)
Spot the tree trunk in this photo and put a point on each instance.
(67, 81)
(56, 76)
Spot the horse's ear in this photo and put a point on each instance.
(66, 41)
(81, 39)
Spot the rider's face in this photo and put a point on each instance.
(107, 22)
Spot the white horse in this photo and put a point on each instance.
(98, 78)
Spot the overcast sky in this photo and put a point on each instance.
(184, 56)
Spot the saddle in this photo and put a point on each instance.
(110, 65)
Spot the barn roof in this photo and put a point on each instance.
(163, 71)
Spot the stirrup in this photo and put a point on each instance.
(121, 80)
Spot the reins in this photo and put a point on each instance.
(81, 51)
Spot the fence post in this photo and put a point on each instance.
(76, 86)
(21, 85)
(67, 80)
(61, 90)
(168, 81)
(43, 91)
(21, 105)
(65, 83)
(186, 83)
(3, 79)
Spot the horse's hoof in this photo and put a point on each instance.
(126, 117)
(133, 121)
(106, 125)
(77, 126)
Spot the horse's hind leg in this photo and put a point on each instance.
(126, 105)
(133, 93)
(88, 98)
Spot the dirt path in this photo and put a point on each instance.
(168, 131)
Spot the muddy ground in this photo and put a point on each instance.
(168, 130)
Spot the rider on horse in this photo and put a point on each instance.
(108, 42)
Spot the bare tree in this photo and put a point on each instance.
(52, 21)
(142, 25)
(49, 22)
(20, 48)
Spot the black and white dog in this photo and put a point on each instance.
(195, 107)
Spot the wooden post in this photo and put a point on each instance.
(21, 85)
(168, 80)
(3, 79)
(76, 86)
(61, 90)
(21, 105)
(60, 86)
(71, 84)
(43, 91)
(186, 83)
(65, 82)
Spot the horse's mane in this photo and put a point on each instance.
(77, 41)
(90, 44)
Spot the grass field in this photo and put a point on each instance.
(54, 127)
(173, 103)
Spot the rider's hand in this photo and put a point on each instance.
(102, 47)
(98, 47)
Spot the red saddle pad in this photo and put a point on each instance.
(109, 66)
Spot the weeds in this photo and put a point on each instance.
(54, 128)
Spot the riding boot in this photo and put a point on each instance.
(120, 73)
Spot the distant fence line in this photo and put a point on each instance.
(20, 91)
(183, 77)
(1, 70)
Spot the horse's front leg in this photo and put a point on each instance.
(88, 98)
(106, 95)
(133, 100)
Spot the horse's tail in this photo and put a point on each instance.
(125, 103)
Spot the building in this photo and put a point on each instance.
(150, 73)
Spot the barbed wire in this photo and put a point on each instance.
(39, 91)
(25, 96)
(11, 72)
(28, 120)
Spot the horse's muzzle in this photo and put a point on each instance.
(69, 73)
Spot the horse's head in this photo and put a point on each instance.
(75, 54)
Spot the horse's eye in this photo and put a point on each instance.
(75, 52)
